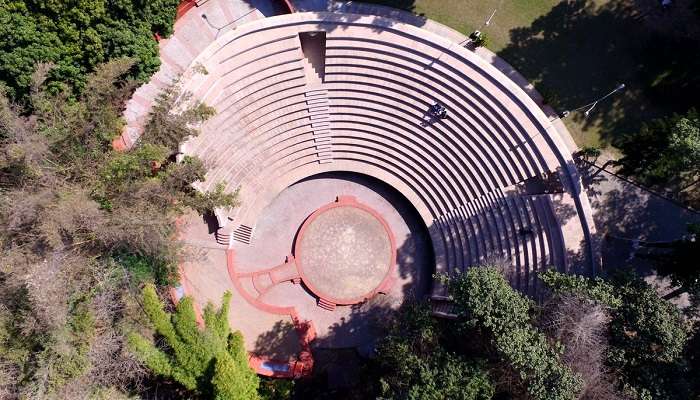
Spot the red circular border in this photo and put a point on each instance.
(346, 201)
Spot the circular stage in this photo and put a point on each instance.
(345, 252)
(299, 121)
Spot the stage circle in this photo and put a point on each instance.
(345, 252)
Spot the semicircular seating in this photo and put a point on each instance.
(476, 178)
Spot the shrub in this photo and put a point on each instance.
(81, 224)
(77, 38)
(173, 118)
(211, 362)
(486, 301)
(595, 289)
(647, 335)
(144, 269)
(414, 365)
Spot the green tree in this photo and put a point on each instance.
(665, 153)
(413, 364)
(677, 260)
(81, 225)
(486, 301)
(595, 289)
(76, 36)
(211, 361)
(647, 334)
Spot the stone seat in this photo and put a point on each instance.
(275, 125)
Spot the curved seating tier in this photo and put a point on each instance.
(369, 114)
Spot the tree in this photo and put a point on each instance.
(665, 153)
(82, 226)
(647, 337)
(77, 36)
(413, 364)
(581, 326)
(678, 260)
(212, 361)
(485, 300)
(646, 334)
(595, 289)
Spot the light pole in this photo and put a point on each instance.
(219, 28)
(488, 21)
(590, 106)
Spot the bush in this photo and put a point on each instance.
(595, 289)
(173, 118)
(647, 335)
(143, 269)
(414, 365)
(77, 37)
(81, 221)
(211, 362)
(486, 301)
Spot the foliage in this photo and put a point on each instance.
(414, 365)
(647, 335)
(590, 153)
(81, 226)
(596, 289)
(77, 36)
(486, 300)
(665, 152)
(581, 326)
(678, 261)
(192, 353)
(173, 118)
(142, 269)
(549, 96)
(276, 389)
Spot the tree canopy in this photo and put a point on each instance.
(76, 36)
(647, 335)
(414, 365)
(211, 361)
(486, 300)
(665, 154)
(81, 225)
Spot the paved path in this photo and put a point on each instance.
(192, 33)
(205, 277)
(496, 179)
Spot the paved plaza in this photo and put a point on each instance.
(353, 194)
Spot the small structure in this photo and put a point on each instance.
(438, 111)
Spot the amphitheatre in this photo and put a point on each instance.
(353, 195)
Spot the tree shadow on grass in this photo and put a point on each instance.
(579, 52)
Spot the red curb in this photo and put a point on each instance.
(185, 5)
(387, 281)
(296, 368)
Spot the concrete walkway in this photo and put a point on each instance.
(269, 323)
(193, 32)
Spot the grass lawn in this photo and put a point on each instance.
(468, 15)
(575, 51)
